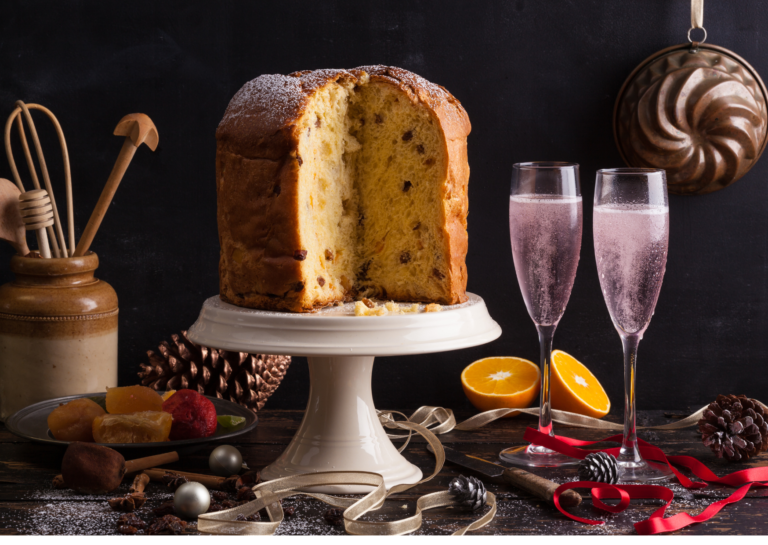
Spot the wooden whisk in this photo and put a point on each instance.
(55, 232)
(37, 213)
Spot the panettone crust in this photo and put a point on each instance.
(257, 177)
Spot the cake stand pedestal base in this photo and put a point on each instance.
(341, 430)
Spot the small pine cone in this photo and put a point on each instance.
(246, 379)
(468, 491)
(735, 428)
(599, 467)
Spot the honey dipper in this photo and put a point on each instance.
(37, 214)
(11, 224)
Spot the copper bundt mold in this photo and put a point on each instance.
(698, 111)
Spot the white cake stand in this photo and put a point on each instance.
(340, 430)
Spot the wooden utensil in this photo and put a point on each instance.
(137, 129)
(55, 230)
(11, 225)
(100, 469)
(36, 212)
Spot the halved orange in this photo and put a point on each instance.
(575, 389)
(501, 383)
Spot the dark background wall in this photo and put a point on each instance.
(538, 78)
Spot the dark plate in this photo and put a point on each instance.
(32, 423)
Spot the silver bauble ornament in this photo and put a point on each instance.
(225, 460)
(191, 500)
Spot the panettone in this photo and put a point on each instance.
(335, 184)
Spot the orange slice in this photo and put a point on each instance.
(501, 383)
(575, 389)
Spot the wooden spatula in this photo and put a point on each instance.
(11, 225)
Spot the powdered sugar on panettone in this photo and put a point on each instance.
(273, 101)
(269, 102)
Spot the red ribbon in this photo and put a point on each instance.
(656, 523)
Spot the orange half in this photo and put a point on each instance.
(501, 383)
(575, 389)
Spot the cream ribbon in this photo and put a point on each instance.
(440, 420)
(268, 494)
(697, 13)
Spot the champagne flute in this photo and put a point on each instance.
(545, 222)
(631, 232)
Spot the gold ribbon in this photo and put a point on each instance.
(268, 494)
(441, 420)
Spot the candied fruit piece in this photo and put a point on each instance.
(133, 399)
(73, 421)
(143, 427)
(194, 415)
(168, 394)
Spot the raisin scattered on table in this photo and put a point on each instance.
(214, 507)
(128, 530)
(131, 519)
(166, 508)
(334, 517)
(245, 494)
(167, 525)
(218, 495)
(289, 511)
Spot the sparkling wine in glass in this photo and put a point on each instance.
(631, 232)
(545, 222)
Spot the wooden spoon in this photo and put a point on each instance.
(11, 225)
(138, 129)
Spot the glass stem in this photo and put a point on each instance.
(629, 451)
(546, 334)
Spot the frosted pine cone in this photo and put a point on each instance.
(735, 428)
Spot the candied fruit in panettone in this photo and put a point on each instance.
(133, 399)
(194, 415)
(73, 421)
(143, 427)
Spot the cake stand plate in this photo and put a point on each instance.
(341, 430)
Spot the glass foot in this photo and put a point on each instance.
(535, 456)
(643, 472)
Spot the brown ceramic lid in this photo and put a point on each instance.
(699, 112)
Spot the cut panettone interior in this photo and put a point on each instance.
(370, 195)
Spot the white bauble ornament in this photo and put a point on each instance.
(225, 460)
(191, 500)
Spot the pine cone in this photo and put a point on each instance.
(599, 467)
(246, 379)
(735, 428)
(469, 491)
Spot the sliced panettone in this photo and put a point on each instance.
(334, 184)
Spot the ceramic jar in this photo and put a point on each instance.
(58, 331)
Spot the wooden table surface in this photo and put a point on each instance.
(30, 505)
